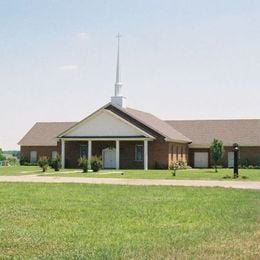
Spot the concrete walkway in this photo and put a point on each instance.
(255, 185)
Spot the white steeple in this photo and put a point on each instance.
(118, 99)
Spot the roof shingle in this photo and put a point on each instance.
(245, 132)
(44, 133)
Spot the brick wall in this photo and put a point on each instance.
(157, 152)
(41, 151)
(250, 153)
(178, 152)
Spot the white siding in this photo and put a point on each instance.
(105, 124)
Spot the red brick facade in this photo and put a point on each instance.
(160, 153)
(40, 150)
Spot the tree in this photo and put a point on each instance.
(2, 157)
(217, 151)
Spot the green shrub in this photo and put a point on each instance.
(56, 164)
(96, 163)
(83, 163)
(43, 162)
(22, 159)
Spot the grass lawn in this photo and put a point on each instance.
(190, 174)
(19, 170)
(126, 222)
(27, 170)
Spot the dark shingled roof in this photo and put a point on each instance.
(45, 133)
(245, 132)
(157, 125)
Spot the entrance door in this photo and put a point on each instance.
(109, 158)
(230, 159)
(201, 160)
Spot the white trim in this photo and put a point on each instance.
(63, 153)
(117, 154)
(176, 141)
(106, 139)
(89, 154)
(199, 146)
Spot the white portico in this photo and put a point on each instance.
(105, 126)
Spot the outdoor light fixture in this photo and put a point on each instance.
(236, 150)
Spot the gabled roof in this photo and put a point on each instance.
(245, 132)
(158, 125)
(146, 119)
(44, 133)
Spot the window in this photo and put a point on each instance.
(33, 157)
(139, 152)
(54, 155)
(177, 152)
(172, 152)
(83, 151)
(181, 152)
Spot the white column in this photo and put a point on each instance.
(117, 154)
(62, 153)
(145, 155)
(89, 153)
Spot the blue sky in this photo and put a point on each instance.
(180, 59)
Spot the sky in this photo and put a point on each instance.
(179, 59)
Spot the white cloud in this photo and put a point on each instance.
(83, 35)
(69, 67)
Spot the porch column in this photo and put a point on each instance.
(145, 155)
(62, 153)
(89, 153)
(117, 154)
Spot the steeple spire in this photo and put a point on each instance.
(118, 84)
(118, 99)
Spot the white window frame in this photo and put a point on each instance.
(137, 159)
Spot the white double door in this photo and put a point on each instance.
(109, 158)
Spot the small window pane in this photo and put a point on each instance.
(139, 152)
(84, 151)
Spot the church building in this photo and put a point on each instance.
(126, 138)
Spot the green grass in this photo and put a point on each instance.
(191, 174)
(28, 170)
(19, 170)
(125, 222)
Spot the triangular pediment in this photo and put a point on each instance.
(105, 123)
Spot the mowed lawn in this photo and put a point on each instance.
(189, 174)
(19, 170)
(127, 222)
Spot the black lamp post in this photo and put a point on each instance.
(236, 150)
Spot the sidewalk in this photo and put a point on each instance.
(255, 185)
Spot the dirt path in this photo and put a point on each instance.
(139, 182)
